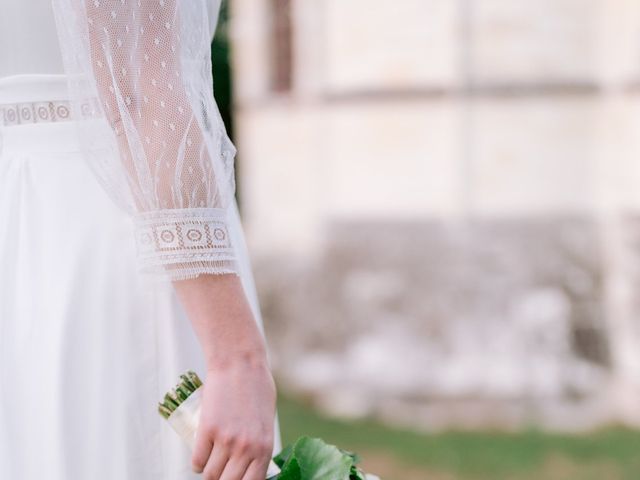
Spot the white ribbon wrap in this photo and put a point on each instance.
(185, 419)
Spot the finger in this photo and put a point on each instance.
(217, 462)
(235, 468)
(257, 470)
(201, 451)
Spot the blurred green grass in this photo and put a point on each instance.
(396, 454)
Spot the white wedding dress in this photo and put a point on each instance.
(116, 177)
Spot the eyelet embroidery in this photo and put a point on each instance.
(182, 235)
(37, 112)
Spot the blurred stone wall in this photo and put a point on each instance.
(442, 211)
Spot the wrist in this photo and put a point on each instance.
(251, 357)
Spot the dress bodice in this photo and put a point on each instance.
(28, 38)
(29, 41)
(140, 92)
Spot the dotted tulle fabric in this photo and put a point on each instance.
(141, 86)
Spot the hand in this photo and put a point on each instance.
(235, 436)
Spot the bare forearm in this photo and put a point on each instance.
(235, 434)
(222, 319)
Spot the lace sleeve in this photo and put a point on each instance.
(140, 80)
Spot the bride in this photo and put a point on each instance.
(123, 262)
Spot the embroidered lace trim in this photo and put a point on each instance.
(184, 243)
(37, 112)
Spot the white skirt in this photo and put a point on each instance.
(88, 346)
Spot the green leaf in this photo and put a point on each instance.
(291, 470)
(356, 474)
(353, 455)
(313, 459)
(318, 460)
(283, 456)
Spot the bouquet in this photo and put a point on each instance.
(305, 459)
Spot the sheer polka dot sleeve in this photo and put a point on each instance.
(140, 76)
